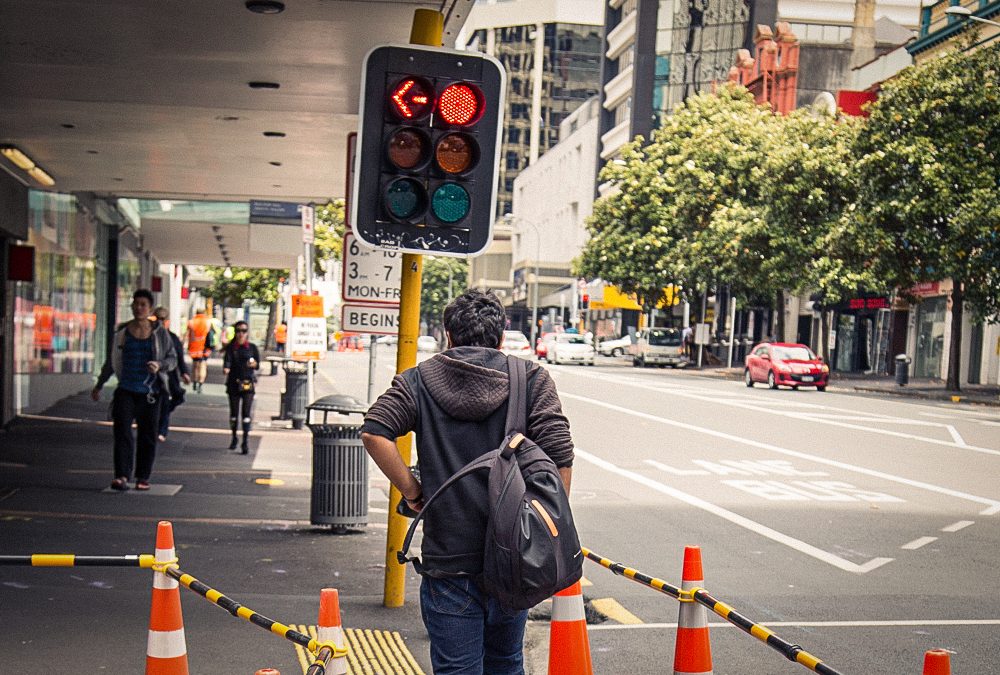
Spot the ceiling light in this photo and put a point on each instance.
(274, 134)
(275, 163)
(257, 84)
(265, 6)
(20, 160)
(68, 126)
(39, 175)
(227, 118)
(166, 205)
(92, 152)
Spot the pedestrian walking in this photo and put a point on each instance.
(200, 345)
(687, 341)
(281, 336)
(240, 362)
(456, 402)
(142, 356)
(175, 391)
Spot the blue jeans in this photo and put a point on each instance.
(470, 632)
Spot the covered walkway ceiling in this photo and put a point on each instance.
(193, 99)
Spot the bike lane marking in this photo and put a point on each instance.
(735, 518)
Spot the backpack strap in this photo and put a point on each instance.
(517, 402)
(482, 462)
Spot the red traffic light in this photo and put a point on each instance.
(412, 98)
(461, 104)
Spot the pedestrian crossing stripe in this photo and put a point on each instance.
(613, 609)
(369, 652)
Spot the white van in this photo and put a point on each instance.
(658, 347)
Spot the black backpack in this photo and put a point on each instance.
(532, 550)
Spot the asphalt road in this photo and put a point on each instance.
(863, 529)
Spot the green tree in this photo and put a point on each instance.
(929, 171)
(443, 278)
(329, 241)
(686, 202)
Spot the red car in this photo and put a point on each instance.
(785, 363)
(542, 345)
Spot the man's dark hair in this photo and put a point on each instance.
(475, 319)
(144, 293)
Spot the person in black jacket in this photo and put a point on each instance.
(240, 362)
(175, 391)
(456, 402)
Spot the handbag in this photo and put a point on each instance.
(245, 385)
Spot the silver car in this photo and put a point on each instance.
(571, 348)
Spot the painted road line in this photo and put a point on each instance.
(918, 543)
(956, 436)
(236, 522)
(736, 518)
(800, 416)
(960, 525)
(613, 609)
(903, 623)
(993, 506)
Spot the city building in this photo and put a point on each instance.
(552, 200)
(551, 50)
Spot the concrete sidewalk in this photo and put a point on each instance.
(241, 525)
(883, 384)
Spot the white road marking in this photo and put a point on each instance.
(918, 543)
(795, 415)
(960, 525)
(736, 519)
(993, 506)
(955, 435)
(817, 624)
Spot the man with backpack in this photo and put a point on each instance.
(463, 403)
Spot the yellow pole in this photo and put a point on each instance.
(427, 29)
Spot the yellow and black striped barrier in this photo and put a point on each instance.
(791, 652)
(144, 561)
(324, 651)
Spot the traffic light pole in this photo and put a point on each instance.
(427, 29)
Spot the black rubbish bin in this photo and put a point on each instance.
(339, 495)
(296, 394)
(902, 369)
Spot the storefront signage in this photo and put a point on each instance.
(868, 303)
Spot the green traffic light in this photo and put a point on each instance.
(405, 198)
(450, 203)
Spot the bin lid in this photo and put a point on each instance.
(339, 403)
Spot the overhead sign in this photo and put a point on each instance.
(276, 213)
(370, 275)
(307, 339)
(308, 224)
(378, 319)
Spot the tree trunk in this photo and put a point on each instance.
(824, 335)
(272, 322)
(779, 327)
(955, 351)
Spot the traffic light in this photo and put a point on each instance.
(428, 149)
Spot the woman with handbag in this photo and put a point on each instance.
(241, 359)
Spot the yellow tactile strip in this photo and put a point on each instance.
(370, 652)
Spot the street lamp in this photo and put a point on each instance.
(510, 218)
(965, 12)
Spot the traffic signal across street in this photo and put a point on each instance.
(428, 150)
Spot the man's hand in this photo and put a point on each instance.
(153, 366)
(186, 378)
(95, 394)
(225, 371)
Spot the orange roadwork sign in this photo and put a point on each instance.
(307, 306)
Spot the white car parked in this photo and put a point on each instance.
(515, 344)
(615, 347)
(571, 348)
(426, 343)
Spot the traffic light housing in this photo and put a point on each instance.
(425, 178)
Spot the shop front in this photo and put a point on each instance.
(930, 329)
(862, 328)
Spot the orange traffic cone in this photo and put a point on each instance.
(166, 650)
(569, 648)
(328, 628)
(692, 651)
(267, 671)
(937, 662)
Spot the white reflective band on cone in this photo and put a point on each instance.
(166, 644)
(568, 608)
(161, 580)
(334, 634)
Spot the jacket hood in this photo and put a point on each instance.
(469, 382)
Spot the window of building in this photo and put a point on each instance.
(513, 161)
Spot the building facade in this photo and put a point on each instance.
(552, 53)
